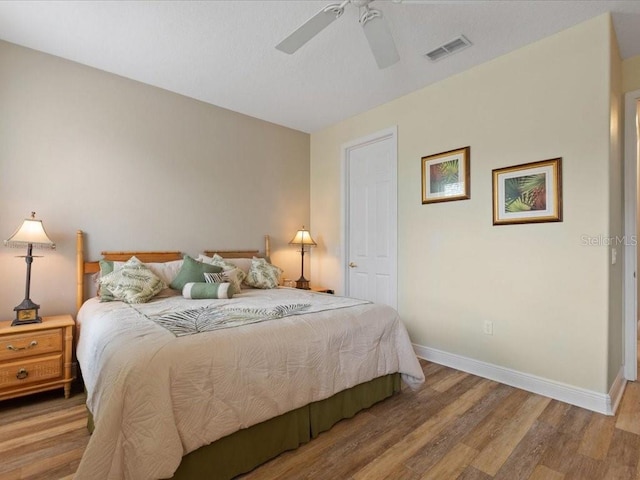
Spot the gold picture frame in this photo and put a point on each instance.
(446, 176)
(528, 193)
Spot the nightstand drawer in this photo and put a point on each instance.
(30, 371)
(26, 344)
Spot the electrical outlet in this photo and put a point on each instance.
(488, 327)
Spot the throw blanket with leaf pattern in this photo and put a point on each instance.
(211, 317)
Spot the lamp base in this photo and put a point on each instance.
(17, 321)
(303, 284)
(26, 313)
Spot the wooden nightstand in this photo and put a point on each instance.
(36, 357)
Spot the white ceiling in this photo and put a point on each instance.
(222, 52)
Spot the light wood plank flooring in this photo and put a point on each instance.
(458, 426)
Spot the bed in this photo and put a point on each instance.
(214, 402)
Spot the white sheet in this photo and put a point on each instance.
(156, 397)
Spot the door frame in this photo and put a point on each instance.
(631, 234)
(391, 132)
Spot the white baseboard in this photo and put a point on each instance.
(617, 389)
(597, 402)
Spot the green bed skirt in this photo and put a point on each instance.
(245, 449)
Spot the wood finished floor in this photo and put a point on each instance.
(457, 426)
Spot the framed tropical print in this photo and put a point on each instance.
(528, 193)
(445, 176)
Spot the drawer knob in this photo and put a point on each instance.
(15, 349)
(22, 374)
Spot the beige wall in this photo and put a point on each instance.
(616, 213)
(136, 167)
(546, 292)
(631, 74)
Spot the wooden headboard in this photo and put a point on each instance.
(85, 267)
(243, 253)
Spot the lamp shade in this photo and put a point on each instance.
(31, 232)
(302, 237)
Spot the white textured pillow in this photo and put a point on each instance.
(166, 271)
(133, 283)
(244, 264)
(262, 274)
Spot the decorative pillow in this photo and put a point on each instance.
(235, 276)
(227, 265)
(244, 264)
(192, 271)
(262, 274)
(166, 271)
(214, 278)
(106, 267)
(199, 290)
(210, 260)
(133, 283)
(226, 276)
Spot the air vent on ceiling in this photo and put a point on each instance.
(447, 49)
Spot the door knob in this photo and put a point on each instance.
(352, 265)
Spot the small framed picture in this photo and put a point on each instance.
(445, 176)
(528, 193)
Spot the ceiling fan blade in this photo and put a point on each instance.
(379, 37)
(310, 28)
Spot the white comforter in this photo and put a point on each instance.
(156, 397)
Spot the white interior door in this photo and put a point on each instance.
(371, 218)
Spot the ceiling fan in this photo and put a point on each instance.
(373, 24)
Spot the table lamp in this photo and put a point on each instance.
(30, 234)
(302, 238)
